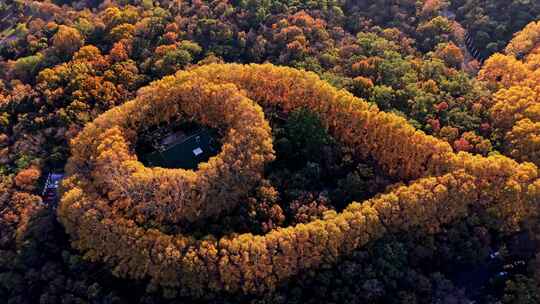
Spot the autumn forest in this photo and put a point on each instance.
(270, 151)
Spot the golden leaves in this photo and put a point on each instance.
(516, 111)
(112, 228)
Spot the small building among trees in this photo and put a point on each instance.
(180, 148)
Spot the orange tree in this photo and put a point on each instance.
(115, 209)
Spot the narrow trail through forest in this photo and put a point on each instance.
(470, 53)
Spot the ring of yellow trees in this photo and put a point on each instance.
(441, 186)
(158, 196)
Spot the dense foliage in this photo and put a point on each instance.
(108, 227)
(492, 23)
(383, 165)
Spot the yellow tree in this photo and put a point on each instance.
(522, 142)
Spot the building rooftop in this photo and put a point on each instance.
(180, 150)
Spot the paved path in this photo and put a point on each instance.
(467, 47)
